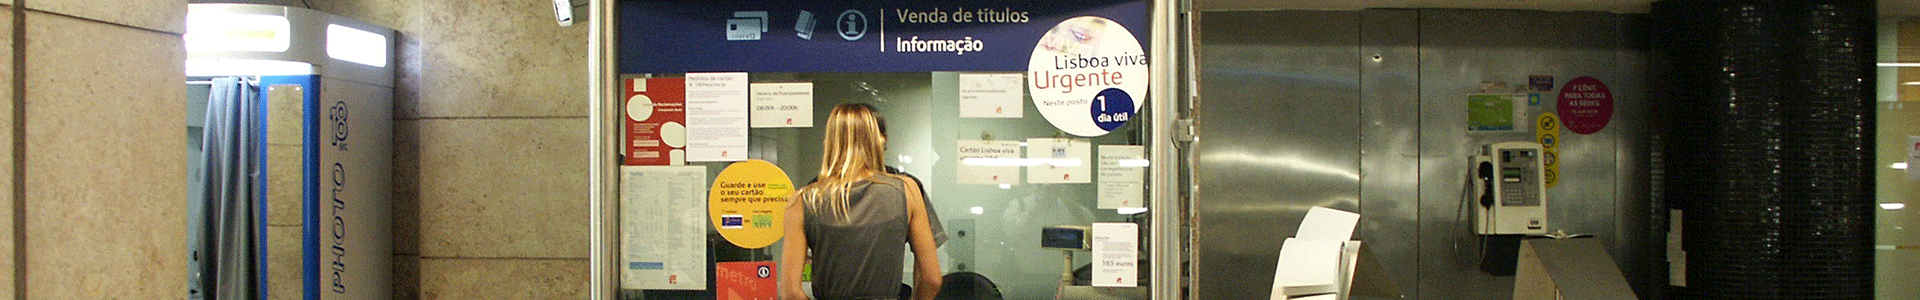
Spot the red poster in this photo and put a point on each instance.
(744, 280)
(656, 122)
(1585, 105)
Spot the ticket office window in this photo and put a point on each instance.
(992, 229)
(1897, 184)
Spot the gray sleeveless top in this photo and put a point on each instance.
(859, 257)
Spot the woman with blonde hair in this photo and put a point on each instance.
(856, 222)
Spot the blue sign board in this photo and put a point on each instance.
(849, 36)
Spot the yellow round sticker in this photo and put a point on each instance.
(1546, 130)
(1548, 122)
(748, 201)
(1552, 175)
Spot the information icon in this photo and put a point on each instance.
(852, 25)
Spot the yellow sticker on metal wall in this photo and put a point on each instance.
(1546, 131)
(748, 202)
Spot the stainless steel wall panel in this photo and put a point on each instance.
(1390, 142)
(1278, 135)
(1638, 250)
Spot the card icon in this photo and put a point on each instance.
(746, 25)
(731, 221)
(804, 27)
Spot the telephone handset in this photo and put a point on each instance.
(1512, 189)
(1486, 179)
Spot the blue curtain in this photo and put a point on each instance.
(229, 254)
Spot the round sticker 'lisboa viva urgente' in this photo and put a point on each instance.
(1088, 76)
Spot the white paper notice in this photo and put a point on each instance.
(1913, 157)
(716, 117)
(782, 105)
(1307, 267)
(1116, 254)
(1123, 171)
(1059, 161)
(1676, 253)
(992, 95)
(989, 162)
(663, 227)
(1327, 224)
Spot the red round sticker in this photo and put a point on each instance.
(1585, 105)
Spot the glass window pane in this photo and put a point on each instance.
(992, 229)
(1898, 122)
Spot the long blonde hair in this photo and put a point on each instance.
(852, 152)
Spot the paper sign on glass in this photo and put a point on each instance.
(663, 227)
(988, 162)
(1059, 160)
(1116, 254)
(1913, 156)
(716, 117)
(782, 105)
(1123, 170)
(656, 121)
(987, 95)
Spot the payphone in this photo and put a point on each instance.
(1509, 189)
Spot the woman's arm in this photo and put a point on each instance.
(926, 262)
(793, 250)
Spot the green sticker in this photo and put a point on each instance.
(1490, 113)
